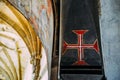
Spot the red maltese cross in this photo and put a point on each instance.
(80, 46)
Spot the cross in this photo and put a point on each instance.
(80, 46)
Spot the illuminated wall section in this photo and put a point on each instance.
(21, 51)
(40, 15)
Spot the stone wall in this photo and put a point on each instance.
(39, 14)
(110, 32)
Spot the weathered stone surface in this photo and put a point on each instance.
(110, 35)
(40, 15)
